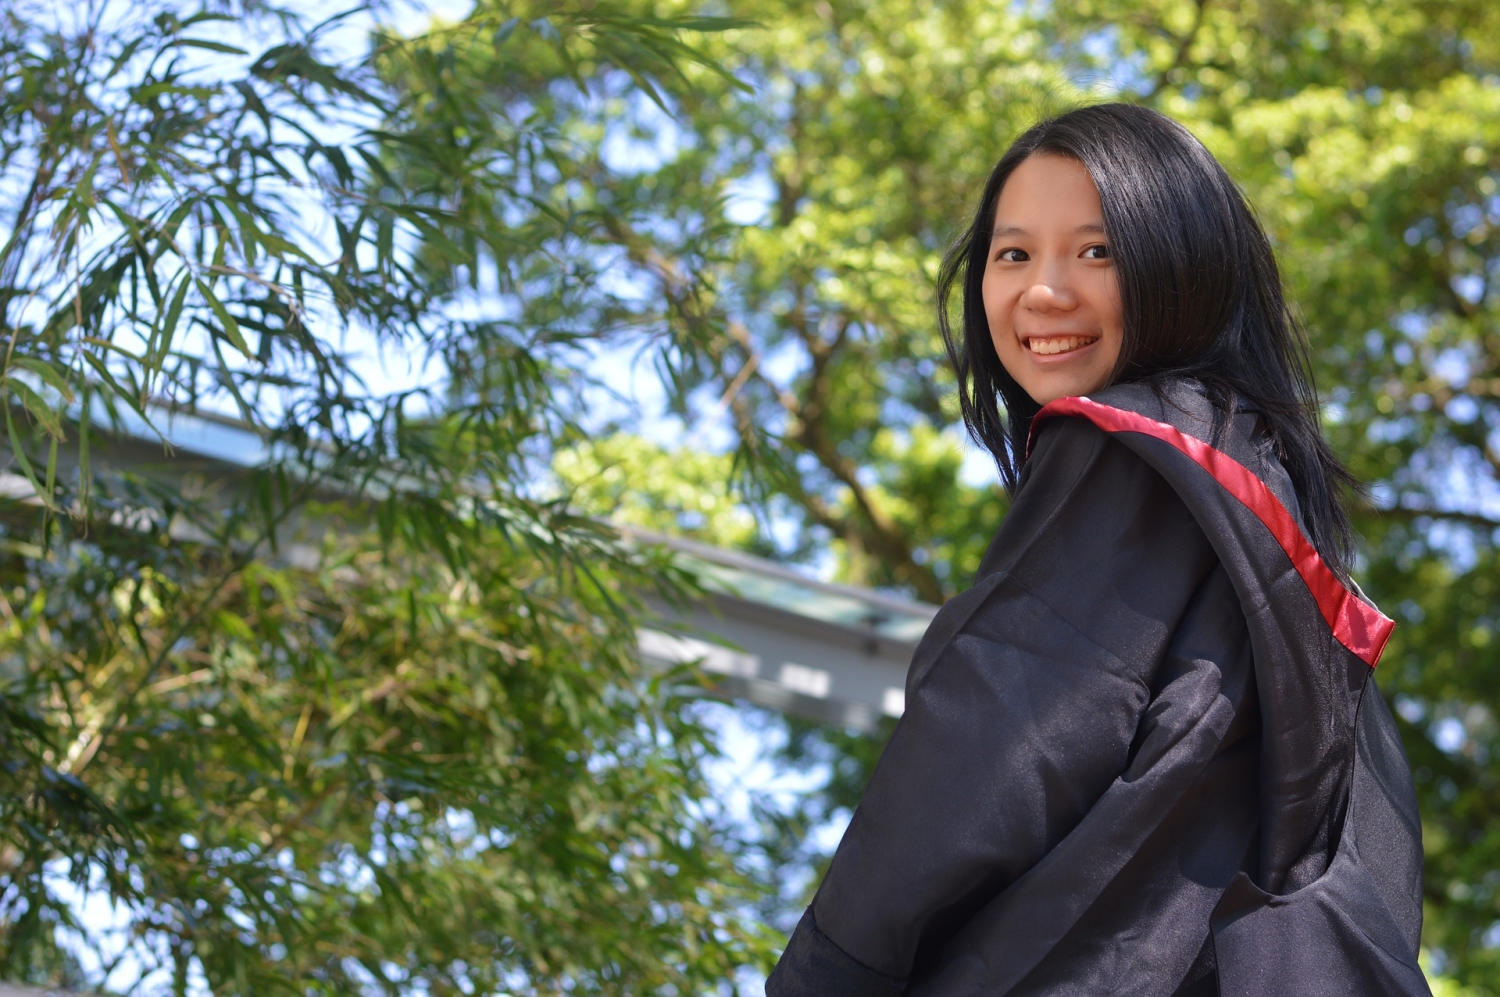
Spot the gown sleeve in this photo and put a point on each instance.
(1022, 704)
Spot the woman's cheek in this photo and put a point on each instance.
(997, 312)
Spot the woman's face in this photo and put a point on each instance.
(1050, 292)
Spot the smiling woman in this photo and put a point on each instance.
(1143, 754)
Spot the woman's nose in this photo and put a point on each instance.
(1049, 296)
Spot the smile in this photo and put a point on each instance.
(1053, 345)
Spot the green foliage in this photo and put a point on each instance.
(387, 765)
(364, 716)
(636, 482)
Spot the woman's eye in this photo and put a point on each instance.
(1012, 256)
(1099, 252)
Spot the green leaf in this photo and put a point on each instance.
(227, 323)
(164, 335)
(49, 374)
(18, 453)
(85, 470)
(36, 406)
(211, 46)
(502, 34)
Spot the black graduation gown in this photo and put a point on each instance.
(1142, 755)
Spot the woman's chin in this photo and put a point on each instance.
(1049, 386)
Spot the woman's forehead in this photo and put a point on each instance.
(1051, 191)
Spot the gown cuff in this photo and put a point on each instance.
(813, 966)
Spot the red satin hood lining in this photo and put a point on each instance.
(1356, 624)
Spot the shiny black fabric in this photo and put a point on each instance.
(1128, 763)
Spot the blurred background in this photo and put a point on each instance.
(389, 389)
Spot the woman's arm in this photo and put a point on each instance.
(1023, 702)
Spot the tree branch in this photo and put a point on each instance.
(873, 527)
(1405, 514)
(1184, 45)
(882, 535)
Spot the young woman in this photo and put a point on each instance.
(1143, 754)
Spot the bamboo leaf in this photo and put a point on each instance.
(210, 46)
(18, 454)
(85, 470)
(166, 333)
(48, 374)
(36, 406)
(227, 323)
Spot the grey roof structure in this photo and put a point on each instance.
(767, 633)
(831, 653)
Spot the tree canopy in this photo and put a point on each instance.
(363, 715)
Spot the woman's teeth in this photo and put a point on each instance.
(1061, 344)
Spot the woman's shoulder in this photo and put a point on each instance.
(1178, 412)
(1180, 402)
(1151, 428)
(1085, 492)
(1212, 430)
(1072, 431)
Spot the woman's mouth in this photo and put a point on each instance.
(1050, 346)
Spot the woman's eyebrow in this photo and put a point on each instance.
(1001, 231)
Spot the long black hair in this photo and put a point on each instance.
(1200, 292)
